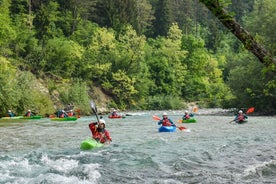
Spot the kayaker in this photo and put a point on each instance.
(29, 113)
(63, 114)
(71, 113)
(99, 133)
(10, 113)
(114, 113)
(166, 121)
(240, 117)
(186, 115)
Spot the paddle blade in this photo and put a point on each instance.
(181, 128)
(250, 110)
(179, 121)
(156, 118)
(93, 106)
(195, 109)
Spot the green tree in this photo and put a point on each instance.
(7, 32)
(62, 57)
(163, 18)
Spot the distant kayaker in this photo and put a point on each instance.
(29, 113)
(63, 114)
(186, 115)
(166, 121)
(114, 113)
(240, 117)
(99, 133)
(10, 113)
(71, 113)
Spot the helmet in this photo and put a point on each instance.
(102, 121)
(165, 114)
(186, 111)
(9, 110)
(29, 110)
(240, 111)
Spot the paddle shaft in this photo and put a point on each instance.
(94, 109)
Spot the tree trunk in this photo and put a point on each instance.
(245, 37)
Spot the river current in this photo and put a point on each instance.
(209, 151)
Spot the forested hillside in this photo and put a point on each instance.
(143, 54)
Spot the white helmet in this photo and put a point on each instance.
(240, 111)
(102, 121)
(186, 111)
(165, 114)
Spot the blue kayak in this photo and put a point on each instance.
(167, 129)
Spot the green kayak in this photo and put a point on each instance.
(191, 120)
(31, 117)
(89, 144)
(64, 119)
(14, 117)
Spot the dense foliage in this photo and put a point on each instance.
(144, 54)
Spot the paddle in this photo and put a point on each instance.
(158, 119)
(250, 110)
(94, 108)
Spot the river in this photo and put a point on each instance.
(209, 151)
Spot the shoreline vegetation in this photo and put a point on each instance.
(55, 53)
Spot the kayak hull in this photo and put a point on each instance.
(14, 117)
(31, 117)
(115, 117)
(167, 129)
(191, 120)
(64, 119)
(241, 121)
(89, 144)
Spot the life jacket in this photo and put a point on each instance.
(187, 116)
(100, 136)
(28, 114)
(70, 114)
(62, 115)
(241, 117)
(166, 122)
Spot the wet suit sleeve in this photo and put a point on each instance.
(160, 122)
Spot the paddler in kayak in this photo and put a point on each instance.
(29, 113)
(63, 114)
(187, 115)
(71, 113)
(166, 121)
(240, 117)
(99, 133)
(10, 113)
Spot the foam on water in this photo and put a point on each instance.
(209, 151)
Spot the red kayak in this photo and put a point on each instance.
(118, 116)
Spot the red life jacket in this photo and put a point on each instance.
(70, 114)
(187, 116)
(241, 118)
(166, 122)
(99, 136)
(62, 115)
